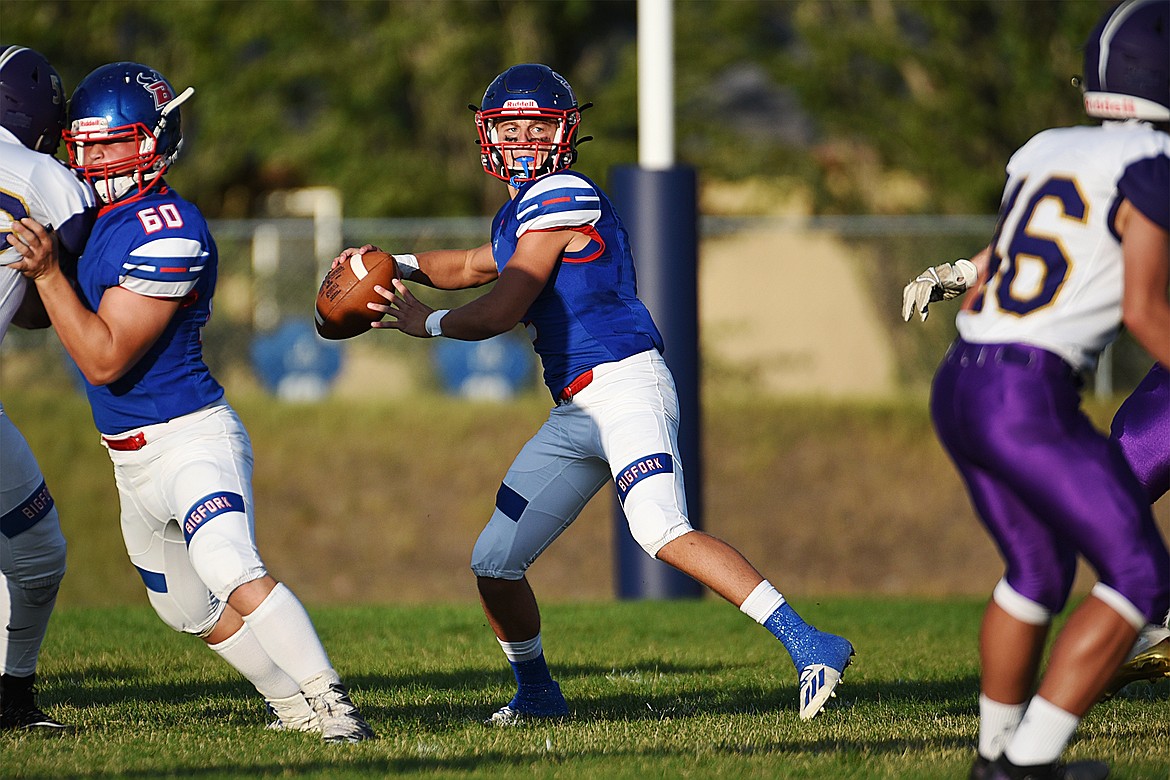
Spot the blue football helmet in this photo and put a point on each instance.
(125, 101)
(1127, 63)
(32, 101)
(528, 91)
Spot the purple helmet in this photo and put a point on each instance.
(32, 102)
(528, 91)
(1127, 63)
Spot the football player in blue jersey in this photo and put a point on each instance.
(33, 183)
(561, 264)
(1081, 249)
(182, 458)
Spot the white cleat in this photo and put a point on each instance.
(818, 684)
(505, 716)
(819, 679)
(338, 717)
(293, 714)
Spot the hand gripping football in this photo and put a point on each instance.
(341, 302)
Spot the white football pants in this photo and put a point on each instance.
(622, 426)
(187, 514)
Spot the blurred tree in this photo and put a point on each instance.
(852, 106)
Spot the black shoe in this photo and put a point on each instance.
(1002, 769)
(980, 769)
(18, 706)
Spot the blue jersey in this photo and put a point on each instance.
(160, 246)
(589, 312)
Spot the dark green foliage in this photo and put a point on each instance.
(909, 106)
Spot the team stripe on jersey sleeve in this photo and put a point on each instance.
(557, 202)
(164, 268)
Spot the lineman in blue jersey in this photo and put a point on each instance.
(182, 459)
(562, 266)
(1081, 248)
(34, 184)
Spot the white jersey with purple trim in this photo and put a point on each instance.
(37, 185)
(158, 246)
(589, 312)
(1056, 273)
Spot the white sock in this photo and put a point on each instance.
(1042, 734)
(246, 656)
(284, 630)
(522, 651)
(762, 602)
(997, 723)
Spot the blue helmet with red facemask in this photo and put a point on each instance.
(125, 101)
(528, 91)
(32, 101)
(1127, 63)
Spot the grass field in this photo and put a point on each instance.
(658, 689)
(386, 499)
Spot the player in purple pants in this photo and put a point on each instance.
(1080, 249)
(1142, 428)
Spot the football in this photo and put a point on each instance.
(341, 302)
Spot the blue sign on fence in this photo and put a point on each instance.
(294, 363)
(494, 369)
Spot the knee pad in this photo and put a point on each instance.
(25, 598)
(178, 595)
(1121, 605)
(224, 555)
(494, 554)
(183, 617)
(1020, 607)
(35, 557)
(1044, 581)
(43, 593)
(653, 527)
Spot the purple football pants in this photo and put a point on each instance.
(1045, 482)
(1142, 428)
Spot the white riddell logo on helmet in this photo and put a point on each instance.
(92, 126)
(522, 103)
(157, 88)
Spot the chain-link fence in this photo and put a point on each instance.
(833, 282)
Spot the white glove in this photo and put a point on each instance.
(940, 283)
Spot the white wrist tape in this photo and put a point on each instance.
(407, 265)
(967, 271)
(434, 323)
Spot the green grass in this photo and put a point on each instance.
(658, 689)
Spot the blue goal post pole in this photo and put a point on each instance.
(660, 211)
